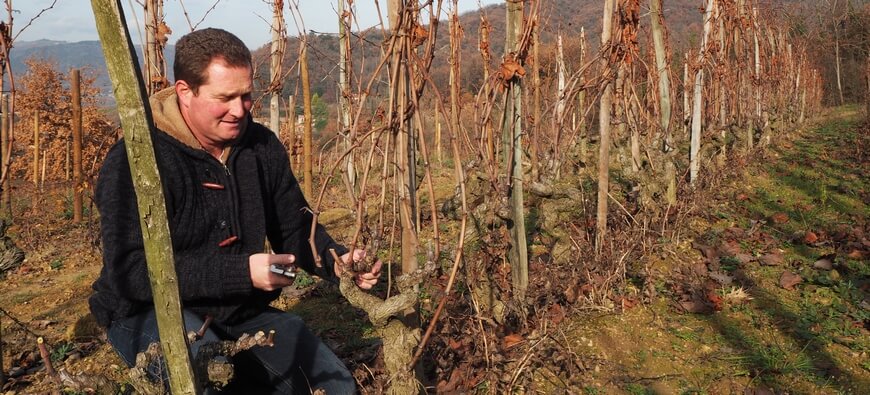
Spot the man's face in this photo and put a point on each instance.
(218, 113)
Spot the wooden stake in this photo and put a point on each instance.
(46, 360)
(77, 146)
(5, 199)
(135, 114)
(604, 115)
(36, 148)
(308, 156)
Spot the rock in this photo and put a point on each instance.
(823, 264)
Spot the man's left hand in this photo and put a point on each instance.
(363, 280)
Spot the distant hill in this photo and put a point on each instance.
(683, 19)
(69, 55)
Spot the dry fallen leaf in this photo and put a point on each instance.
(730, 247)
(695, 306)
(715, 300)
(855, 254)
(454, 345)
(788, 280)
(810, 237)
(512, 340)
(721, 278)
(744, 258)
(774, 258)
(779, 218)
(711, 254)
(557, 314)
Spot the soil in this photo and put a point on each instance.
(763, 291)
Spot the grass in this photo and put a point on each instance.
(808, 340)
(786, 335)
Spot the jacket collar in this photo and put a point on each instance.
(167, 117)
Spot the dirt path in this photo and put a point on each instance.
(768, 295)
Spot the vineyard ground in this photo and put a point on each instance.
(766, 292)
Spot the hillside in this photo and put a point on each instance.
(560, 16)
(68, 55)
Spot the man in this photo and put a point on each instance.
(228, 188)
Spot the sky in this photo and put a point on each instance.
(72, 20)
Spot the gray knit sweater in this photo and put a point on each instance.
(219, 215)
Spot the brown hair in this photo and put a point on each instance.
(196, 50)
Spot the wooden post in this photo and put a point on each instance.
(2, 368)
(307, 155)
(561, 103)
(513, 142)
(403, 137)
(275, 65)
(437, 119)
(291, 118)
(664, 99)
(697, 113)
(455, 70)
(36, 148)
(42, 173)
(534, 145)
(77, 146)
(750, 130)
(5, 199)
(66, 164)
(137, 122)
(604, 115)
(483, 46)
(155, 66)
(344, 97)
(581, 103)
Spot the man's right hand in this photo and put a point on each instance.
(262, 277)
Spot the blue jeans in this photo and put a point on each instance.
(298, 362)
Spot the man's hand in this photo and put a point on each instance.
(363, 280)
(262, 277)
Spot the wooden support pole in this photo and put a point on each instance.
(136, 119)
(77, 145)
(36, 148)
(307, 155)
(6, 198)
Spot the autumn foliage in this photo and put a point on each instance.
(45, 91)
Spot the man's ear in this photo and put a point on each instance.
(184, 93)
